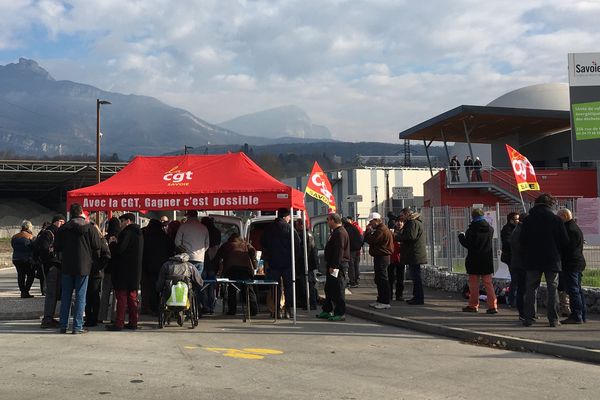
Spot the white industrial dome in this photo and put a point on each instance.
(546, 96)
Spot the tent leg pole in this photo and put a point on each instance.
(293, 262)
(305, 241)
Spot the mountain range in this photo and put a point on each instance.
(40, 116)
(288, 121)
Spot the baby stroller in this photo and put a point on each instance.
(177, 302)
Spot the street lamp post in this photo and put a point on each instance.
(98, 102)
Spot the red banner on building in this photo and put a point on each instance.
(318, 186)
(524, 172)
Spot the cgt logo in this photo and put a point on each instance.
(523, 168)
(175, 176)
(318, 181)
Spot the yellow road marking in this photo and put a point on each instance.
(247, 353)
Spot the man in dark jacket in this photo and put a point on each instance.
(480, 261)
(512, 220)
(543, 239)
(381, 247)
(337, 258)
(412, 251)
(277, 247)
(127, 271)
(468, 163)
(517, 263)
(157, 250)
(356, 242)
(454, 169)
(77, 241)
(51, 263)
(573, 264)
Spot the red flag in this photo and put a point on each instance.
(318, 186)
(524, 172)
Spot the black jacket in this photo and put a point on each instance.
(478, 242)
(157, 249)
(77, 241)
(517, 258)
(337, 249)
(128, 253)
(311, 253)
(412, 242)
(356, 239)
(277, 244)
(572, 257)
(505, 233)
(100, 259)
(543, 239)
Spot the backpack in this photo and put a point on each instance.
(43, 251)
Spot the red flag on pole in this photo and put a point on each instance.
(524, 172)
(318, 186)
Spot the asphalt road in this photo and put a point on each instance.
(227, 359)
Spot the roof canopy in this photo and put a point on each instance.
(215, 182)
(487, 124)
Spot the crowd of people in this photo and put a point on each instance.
(392, 250)
(537, 243)
(75, 257)
(83, 267)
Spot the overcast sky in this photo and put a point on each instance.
(365, 69)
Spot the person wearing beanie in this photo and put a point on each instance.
(480, 261)
(51, 264)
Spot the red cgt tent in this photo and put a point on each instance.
(213, 182)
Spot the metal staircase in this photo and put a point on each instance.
(500, 183)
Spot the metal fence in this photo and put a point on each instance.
(443, 224)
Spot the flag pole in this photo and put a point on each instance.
(522, 202)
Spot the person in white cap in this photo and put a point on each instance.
(381, 247)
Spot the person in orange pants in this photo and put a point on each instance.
(479, 262)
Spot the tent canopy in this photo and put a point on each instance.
(213, 182)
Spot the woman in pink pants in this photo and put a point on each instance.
(480, 262)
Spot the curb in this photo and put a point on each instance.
(484, 338)
(28, 315)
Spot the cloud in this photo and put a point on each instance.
(366, 69)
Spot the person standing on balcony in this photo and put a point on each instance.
(477, 167)
(468, 167)
(454, 169)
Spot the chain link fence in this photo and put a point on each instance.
(443, 224)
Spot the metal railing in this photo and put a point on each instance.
(503, 181)
(442, 225)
